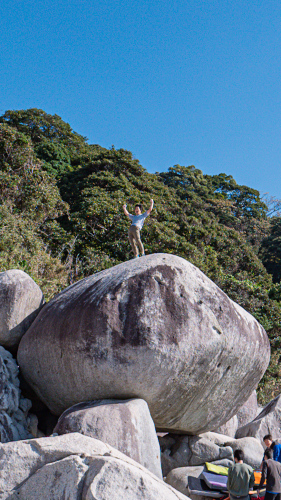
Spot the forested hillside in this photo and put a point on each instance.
(61, 219)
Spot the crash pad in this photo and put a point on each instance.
(198, 487)
(217, 469)
(215, 481)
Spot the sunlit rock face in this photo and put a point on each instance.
(20, 302)
(154, 328)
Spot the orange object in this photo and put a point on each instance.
(258, 477)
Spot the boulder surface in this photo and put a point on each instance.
(229, 428)
(245, 414)
(248, 411)
(177, 478)
(20, 301)
(268, 421)
(74, 466)
(154, 328)
(125, 425)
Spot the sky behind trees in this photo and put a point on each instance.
(190, 83)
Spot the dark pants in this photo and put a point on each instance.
(272, 496)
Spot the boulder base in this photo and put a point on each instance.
(125, 425)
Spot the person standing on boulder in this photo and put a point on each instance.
(240, 478)
(136, 227)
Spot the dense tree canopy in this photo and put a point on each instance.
(61, 218)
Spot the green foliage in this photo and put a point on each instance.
(270, 250)
(61, 218)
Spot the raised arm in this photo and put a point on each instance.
(150, 208)
(125, 210)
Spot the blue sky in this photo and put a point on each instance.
(189, 82)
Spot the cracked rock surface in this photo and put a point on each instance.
(75, 467)
(154, 328)
(14, 418)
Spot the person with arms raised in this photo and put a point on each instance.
(136, 227)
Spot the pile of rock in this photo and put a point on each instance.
(149, 343)
(75, 467)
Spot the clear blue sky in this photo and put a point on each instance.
(194, 82)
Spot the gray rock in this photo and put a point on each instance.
(252, 448)
(75, 466)
(176, 455)
(216, 438)
(268, 421)
(245, 414)
(14, 418)
(248, 411)
(225, 462)
(229, 428)
(54, 481)
(203, 450)
(179, 451)
(127, 482)
(155, 328)
(20, 302)
(177, 478)
(125, 425)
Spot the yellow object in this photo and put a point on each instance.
(217, 469)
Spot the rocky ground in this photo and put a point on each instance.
(143, 371)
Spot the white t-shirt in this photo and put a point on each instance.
(138, 220)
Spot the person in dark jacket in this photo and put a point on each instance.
(272, 473)
(240, 478)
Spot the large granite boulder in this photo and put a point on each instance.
(20, 302)
(155, 328)
(15, 422)
(74, 466)
(125, 425)
(181, 451)
(268, 421)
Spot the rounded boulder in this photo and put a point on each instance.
(20, 302)
(154, 328)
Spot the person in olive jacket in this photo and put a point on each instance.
(240, 478)
(272, 473)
